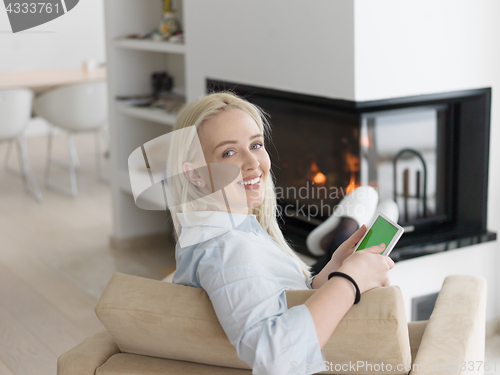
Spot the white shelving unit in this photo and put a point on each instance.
(150, 114)
(130, 63)
(148, 45)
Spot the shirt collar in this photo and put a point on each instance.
(211, 224)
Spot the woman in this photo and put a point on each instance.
(231, 246)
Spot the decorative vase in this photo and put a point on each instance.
(169, 24)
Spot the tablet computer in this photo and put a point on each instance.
(383, 230)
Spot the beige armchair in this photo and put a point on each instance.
(143, 316)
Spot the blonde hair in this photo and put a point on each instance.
(183, 148)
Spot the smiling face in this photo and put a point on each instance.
(234, 137)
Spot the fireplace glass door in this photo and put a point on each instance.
(315, 157)
(404, 155)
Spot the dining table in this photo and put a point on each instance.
(42, 80)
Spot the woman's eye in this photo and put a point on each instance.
(228, 153)
(256, 146)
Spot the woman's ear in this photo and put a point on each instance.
(192, 174)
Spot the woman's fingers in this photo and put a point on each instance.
(355, 237)
(370, 267)
(375, 249)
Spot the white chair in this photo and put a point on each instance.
(74, 108)
(15, 112)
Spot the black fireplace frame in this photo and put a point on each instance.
(469, 120)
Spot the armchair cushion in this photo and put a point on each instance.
(165, 320)
(88, 355)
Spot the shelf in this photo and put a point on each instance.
(150, 45)
(131, 62)
(150, 114)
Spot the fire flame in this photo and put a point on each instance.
(352, 185)
(353, 164)
(353, 167)
(314, 166)
(318, 177)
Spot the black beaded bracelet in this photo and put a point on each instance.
(341, 274)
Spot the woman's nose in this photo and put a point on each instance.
(250, 161)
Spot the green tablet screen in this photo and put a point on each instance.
(381, 232)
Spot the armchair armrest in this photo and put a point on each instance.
(416, 331)
(456, 329)
(90, 354)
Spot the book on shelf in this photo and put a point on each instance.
(170, 102)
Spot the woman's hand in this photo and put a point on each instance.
(341, 254)
(329, 304)
(346, 249)
(368, 268)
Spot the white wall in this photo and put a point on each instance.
(418, 47)
(63, 42)
(405, 48)
(363, 50)
(289, 45)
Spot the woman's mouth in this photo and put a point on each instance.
(251, 182)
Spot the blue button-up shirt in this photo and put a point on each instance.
(246, 274)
